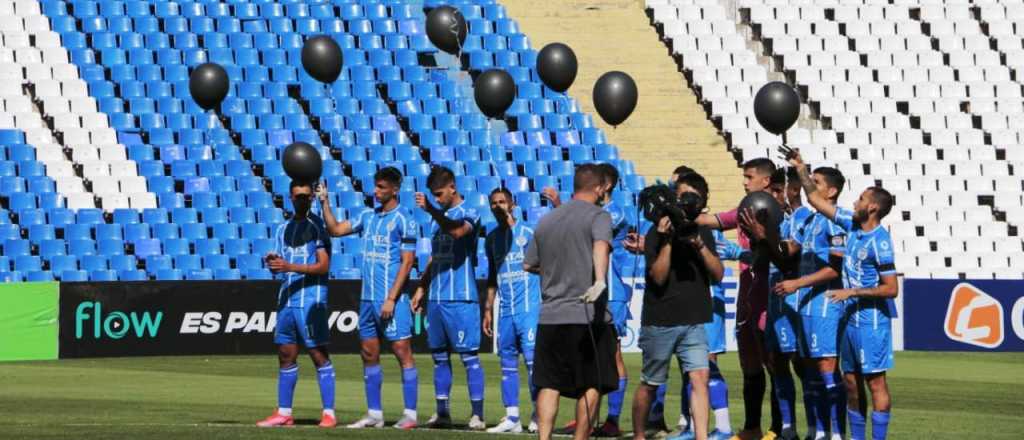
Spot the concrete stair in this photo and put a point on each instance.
(668, 128)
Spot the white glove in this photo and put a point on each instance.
(593, 292)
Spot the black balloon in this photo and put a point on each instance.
(615, 97)
(302, 162)
(446, 28)
(766, 209)
(494, 91)
(557, 66)
(321, 57)
(777, 106)
(208, 85)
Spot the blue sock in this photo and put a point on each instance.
(879, 425)
(410, 387)
(817, 395)
(442, 381)
(325, 378)
(831, 401)
(658, 406)
(528, 356)
(510, 382)
(785, 391)
(286, 379)
(718, 390)
(615, 399)
(857, 424)
(373, 378)
(475, 382)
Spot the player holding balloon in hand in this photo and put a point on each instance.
(388, 233)
(453, 312)
(869, 287)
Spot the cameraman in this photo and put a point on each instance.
(681, 265)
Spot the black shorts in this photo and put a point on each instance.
(565, 360)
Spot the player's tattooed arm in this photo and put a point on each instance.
(818, 200)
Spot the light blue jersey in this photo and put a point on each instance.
(868, 257)
(622, 263)
(385, 235)
(818, 237)
(453, 262)
(788, 231)
(715, 329)
(297, 242)
(727, 250)
(518, 290)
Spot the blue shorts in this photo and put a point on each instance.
(517, 334)
(866, 350)
(307, 325)
(620, 314)
(687, 343)
(395, 329)
(715, 330)
(453, 325)
(780, 334)
(819, 337)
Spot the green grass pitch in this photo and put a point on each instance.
(935, 396)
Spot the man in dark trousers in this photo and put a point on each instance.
(575, 349)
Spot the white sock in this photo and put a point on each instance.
(722, 420)
(786, 425)
(409, 414)
(512, 411)
(284, 411)
(683, 422)
(329, 412)
(375, 414)
(819, 435)
(836, 436)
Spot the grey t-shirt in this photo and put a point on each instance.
(563, 248)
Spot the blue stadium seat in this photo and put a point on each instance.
(186, 263)
(216, 262)
(16, 247)
(26, 263)
(52, 247)
(69, 276)
(92, 262)
(103, 275)
(38, 233)
(147, 246)
(208, 246)
(134, 232)
(132, 275)
(109, 247)
(263, 246)
(227, 274)
(109, 232)
(248, 262)
(154, 216)
(224, 231)
(61, 263)
(170, 275)
(10, 231)
(199, 275)
(156, 263)
(176, 246)
(39, 276)
(166, 231)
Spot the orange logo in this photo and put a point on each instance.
(974, 317)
